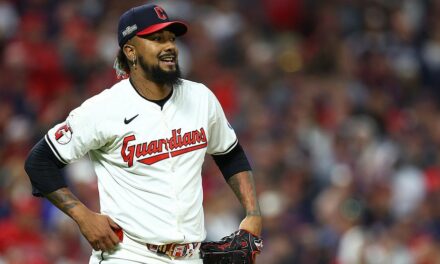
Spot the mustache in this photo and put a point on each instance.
(168, 54)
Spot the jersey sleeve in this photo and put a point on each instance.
(76, 136)
(222, 137)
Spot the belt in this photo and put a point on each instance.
(174, 250)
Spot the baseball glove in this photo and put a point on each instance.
(240, 247)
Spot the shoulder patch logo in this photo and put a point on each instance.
(64, 134)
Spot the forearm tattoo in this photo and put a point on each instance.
(242, 184)
(63, 199)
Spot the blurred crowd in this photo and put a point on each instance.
(336, 103)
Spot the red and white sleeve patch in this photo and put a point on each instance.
(64, 134)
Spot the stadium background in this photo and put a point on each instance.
(336, 103)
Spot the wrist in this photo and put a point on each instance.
(255, 213)
(79, 213)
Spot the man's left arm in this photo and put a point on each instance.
(231, 159)
(236, 169)
(243, 185)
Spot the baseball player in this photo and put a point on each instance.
(147, 137)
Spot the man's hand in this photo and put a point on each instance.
(252, 224)
(99, 230)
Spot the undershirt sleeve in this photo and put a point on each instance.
(43, 169)
(233, 162)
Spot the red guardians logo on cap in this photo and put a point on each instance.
(160, 12)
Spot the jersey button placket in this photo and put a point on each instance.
(168, 132)
(174, 180)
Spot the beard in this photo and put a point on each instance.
(159, 76)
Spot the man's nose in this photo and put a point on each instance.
(170, 45)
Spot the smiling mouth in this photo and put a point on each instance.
(168, 59)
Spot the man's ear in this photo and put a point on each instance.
(129, 51)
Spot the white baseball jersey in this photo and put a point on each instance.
(148, 160)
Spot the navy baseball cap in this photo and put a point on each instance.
(144, 20)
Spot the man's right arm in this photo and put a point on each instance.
(43, 169)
